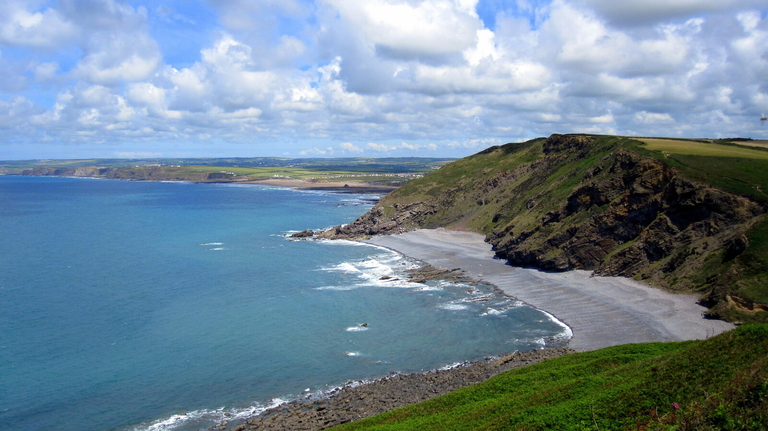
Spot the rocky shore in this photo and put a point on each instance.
(358, 400)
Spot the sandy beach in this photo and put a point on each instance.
(331, 186)
(601, 311)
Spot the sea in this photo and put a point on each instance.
(175, 306)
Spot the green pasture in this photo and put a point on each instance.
(734, 168)
(269, 172)
(703, 148)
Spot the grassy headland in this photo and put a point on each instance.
(684, 215)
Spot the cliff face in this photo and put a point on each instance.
(140, 173)
(582, 202)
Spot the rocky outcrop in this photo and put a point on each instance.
(652, 224)
(374, 222)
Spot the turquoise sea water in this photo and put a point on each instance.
(148, 305)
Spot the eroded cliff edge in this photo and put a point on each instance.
(595, 203)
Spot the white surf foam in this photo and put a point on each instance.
(339, 288)
(208, 416)
(492, 312)
(381, 270)
(429, 289)
(566, 333)
(452, 306)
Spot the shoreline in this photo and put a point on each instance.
(328, 186)
(601, 311)
(361, 399)
(352, 187)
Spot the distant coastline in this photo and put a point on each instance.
(157, 174)
(329, 186)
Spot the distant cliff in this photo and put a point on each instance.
(595, 203)
(138, 173)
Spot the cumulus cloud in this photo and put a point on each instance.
(45, 29)
(347, 146)
(426, 30)
(643, 12)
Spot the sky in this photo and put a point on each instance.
(371, 78)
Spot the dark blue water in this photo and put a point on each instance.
(148, 305)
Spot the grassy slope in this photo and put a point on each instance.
(718, 384)
(740, 169)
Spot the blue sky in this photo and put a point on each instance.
(347, 78)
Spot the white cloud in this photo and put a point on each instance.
(347, 146)
(603, 119)
(428, 29)
(638, 12)
(45, 29)
(111, 67)
(315, 152)
(653, 118)
(380, 147)
(45, 72)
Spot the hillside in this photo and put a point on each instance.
(716, 384)
(683, 222)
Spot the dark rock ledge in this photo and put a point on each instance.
(353, 402)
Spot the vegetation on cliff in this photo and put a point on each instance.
(678, 219)
(716, 384)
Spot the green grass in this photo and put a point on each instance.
(733, 168)
(717, 384)
(271, 172)
(708, 149)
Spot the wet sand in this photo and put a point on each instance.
(601, 311)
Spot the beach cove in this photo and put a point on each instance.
(601, 311)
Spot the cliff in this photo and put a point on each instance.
(594, 203)
(138, 173)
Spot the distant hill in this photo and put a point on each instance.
(684, 215)
(357, 164)
(381, 171)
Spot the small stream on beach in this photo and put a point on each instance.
(172, 306)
